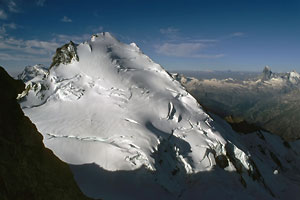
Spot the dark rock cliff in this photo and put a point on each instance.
(28, 170)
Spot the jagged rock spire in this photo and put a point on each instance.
(65, 54)
(267, 73)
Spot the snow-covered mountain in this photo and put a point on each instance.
(106, 104)
(286, 79)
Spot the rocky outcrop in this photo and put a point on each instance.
(28, 170)
(267, 73)
(65, 54)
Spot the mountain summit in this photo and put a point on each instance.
(267, 73)
(107, 103)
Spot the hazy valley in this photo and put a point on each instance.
(269, 100)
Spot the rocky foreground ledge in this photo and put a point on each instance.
(28, 170)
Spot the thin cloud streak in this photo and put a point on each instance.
(12, 6)
(4, 27)
(189, 50)
(178, 46)
(61, 38)
(66, 19)
(40, 3)
(29, 46)
(35, 51)
(237, 34)
(169, 30)
(3, 15)
(22, 57)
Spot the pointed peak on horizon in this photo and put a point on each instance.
(102, 35)
(267, 73)
(267, 68)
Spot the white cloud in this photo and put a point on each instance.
(11, 25)
(169, 30)
(180, 50)
(66, 19)
(47, 47)
(220, 55)
(97, 30)
(27, 51)
(23, 57)
(3, 15)
(4, 27)
(40, 3)
(170, 33)
(12, 6)
(33, 51)
(237, 34)
(75, 38)
(205, 40)
(190, 50)
(32, 47)
(176, 45)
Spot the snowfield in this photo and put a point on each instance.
(104, 103)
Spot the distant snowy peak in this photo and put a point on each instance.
(267, 73)
(30, 72)
(292, 78)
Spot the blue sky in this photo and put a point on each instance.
(180, 35)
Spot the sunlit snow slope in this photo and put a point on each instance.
(107, 103)
(124, 104)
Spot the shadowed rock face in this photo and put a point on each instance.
(241, 126)
(267, 73)
(27, 169)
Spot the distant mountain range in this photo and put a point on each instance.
(198, 74)
(270, 100)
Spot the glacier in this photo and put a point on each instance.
(104, 106)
